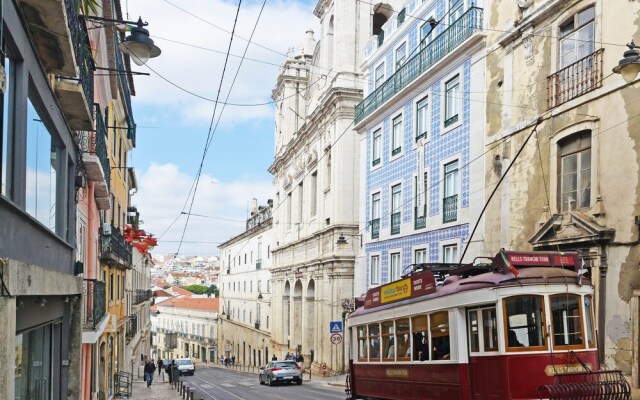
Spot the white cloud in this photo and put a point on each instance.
(162, 194)
(282, 25)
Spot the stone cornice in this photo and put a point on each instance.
(264, 226)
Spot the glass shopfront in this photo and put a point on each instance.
(33, 364)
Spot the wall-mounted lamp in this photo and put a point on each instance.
(138, 45)
(629, 66)
(497, 164)
(342, 241)
(42, 301)
(260, 296)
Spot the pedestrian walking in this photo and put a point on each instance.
(149, 370)
(274, 358)
(161, 369)
(169, 370)
(233, 360)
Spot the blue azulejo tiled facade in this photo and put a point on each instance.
(420, 110)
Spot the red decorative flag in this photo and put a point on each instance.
(510, 267)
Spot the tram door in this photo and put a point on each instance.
(487, 382)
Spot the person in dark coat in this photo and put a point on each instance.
(161, 368)
(169, 370)
(274, 358)
(149, 370)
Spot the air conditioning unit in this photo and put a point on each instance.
(106, 229)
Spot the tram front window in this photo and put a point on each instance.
(588, 313)
(567, 324)
(525, 322)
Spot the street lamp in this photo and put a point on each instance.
(629, 66)
(342, 241)
(138, 44)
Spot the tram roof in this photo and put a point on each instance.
(420, 286)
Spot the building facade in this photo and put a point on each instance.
(422, 139)
(245, 291)
(552, 96)
(315, 176)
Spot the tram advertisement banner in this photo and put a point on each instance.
(417, 285)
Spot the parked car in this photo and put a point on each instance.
(185, 366)
(280, 371)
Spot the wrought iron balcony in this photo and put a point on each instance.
(468, 24)
(420, 222)
(115, 248)
(132, 326)
(395, 223)
(258, 264)
(94, 303)
(450, 208)
(575, 80)
(93, 145)
(375, 228)
(141, 295)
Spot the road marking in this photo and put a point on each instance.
(221, 388)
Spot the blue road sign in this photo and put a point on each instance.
(335, 327)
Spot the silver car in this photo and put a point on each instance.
(280, 371)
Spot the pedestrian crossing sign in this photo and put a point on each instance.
(335, 327)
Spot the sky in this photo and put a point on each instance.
(173, 124)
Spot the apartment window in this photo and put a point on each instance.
(401, 55)
(394, 267)
(420, 202)
(422, 108)
(375, 215)
(43, 161)
(375, 270)
(396, 207)
(314, 192)
(450, 200)
(376, 147)
(455, 10)
(300, 201)
(575, 171)
(420, 256)
(452, 101)
(450, 253)
(577, 37)
(425, 34)
(396, 136)
(379, 75)
(327, 176)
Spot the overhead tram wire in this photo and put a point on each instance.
(210, 132)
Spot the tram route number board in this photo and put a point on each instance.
(336, 338)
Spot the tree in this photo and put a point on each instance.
(196, 289)
(213, 289)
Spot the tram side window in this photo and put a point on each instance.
(403, 338)
(374, 342)
(588, 312)
(420, 328)
(490, 329)
(388, 342)
(439, 323)
(362, 343)
(474, 333)
(525, 322)
(566, 320)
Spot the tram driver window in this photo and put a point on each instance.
(419, 331)
(566, 321)
(524, 323)
(439, 323)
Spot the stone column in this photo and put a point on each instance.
(7, 346)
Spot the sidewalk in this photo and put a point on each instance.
(157, 391)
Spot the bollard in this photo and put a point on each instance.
(191, 392)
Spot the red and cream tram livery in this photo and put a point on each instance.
(488, 331)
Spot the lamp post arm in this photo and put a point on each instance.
(121, 21)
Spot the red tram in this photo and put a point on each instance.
(498, 330)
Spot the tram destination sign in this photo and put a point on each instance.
(416, 285)
(541, 259)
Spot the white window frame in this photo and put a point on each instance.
(450, 243)
(390, 212)
(457, 98)
(427, 135)
(390, 277)
(378, 128)
(373, 193)
(430, 36)
(576, 42)
(379, 80)
(415, 195)
(378, 276)
(399, 63)
(400, 136)
(415, 249)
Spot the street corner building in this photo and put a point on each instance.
(74, 296)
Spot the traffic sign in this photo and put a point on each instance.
(336, 338)
(335, 327)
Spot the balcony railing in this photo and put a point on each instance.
(132, 326)
(95, 298)
(141, 295)
(395, 223)
(450, 208)
(114, 246)
(468, 24)
(375, 228)
(258, 264)
(81, 48)
(99, 145)
(420, 222)
(575, 80)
